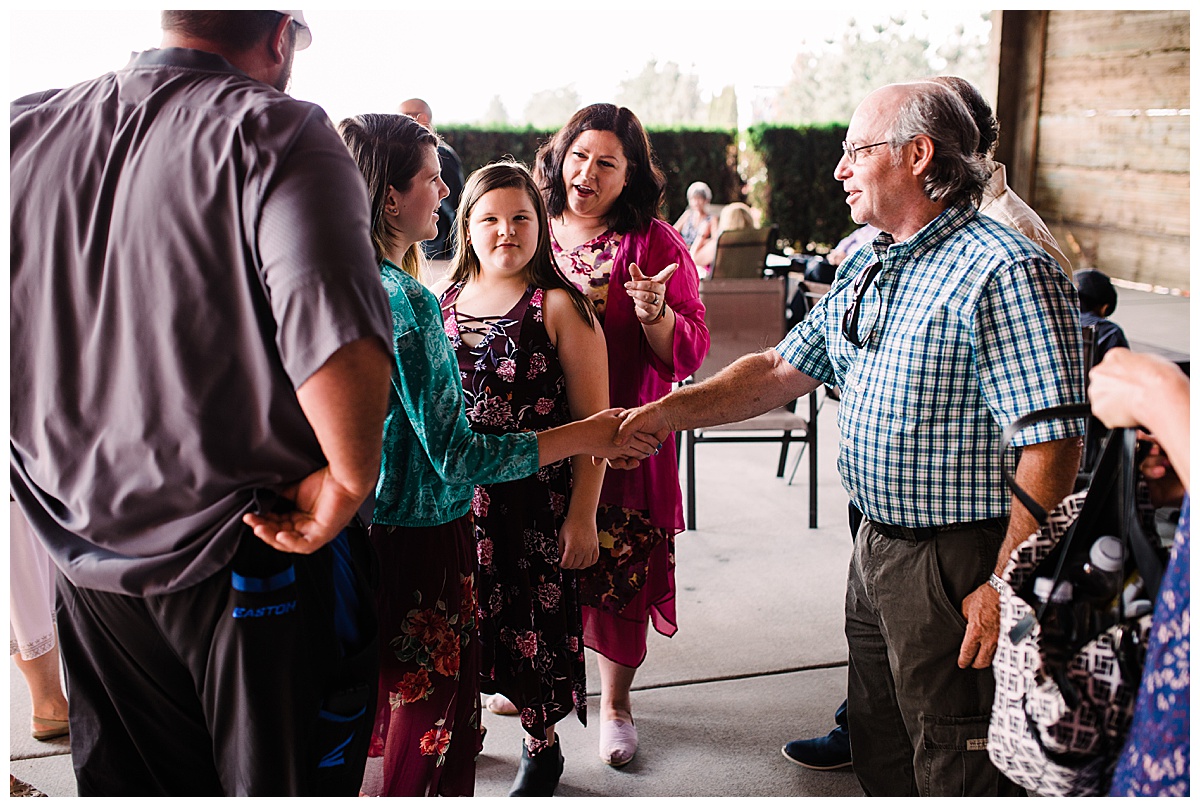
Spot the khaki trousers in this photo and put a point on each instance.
(918, 723)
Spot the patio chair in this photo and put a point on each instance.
(745, 315)
(743, 253)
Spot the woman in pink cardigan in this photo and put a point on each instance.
(603, 191)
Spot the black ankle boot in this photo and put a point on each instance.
(538, 775)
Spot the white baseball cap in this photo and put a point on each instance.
(303, 34)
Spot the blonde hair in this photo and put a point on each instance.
(736, 216)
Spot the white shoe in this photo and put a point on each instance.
(499, 705)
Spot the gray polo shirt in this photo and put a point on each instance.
(188, 247)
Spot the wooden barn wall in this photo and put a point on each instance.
(1111, 153)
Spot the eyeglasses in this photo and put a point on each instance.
(852, 151)
(850, 319)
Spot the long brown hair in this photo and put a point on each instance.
(542, 271)
(639, 201)
(389, 150)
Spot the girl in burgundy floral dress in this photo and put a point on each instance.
(427, 721)
(532, 357)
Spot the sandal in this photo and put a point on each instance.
(58, 728)
(618, 742)
(499, 705)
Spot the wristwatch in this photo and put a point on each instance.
(996, 583)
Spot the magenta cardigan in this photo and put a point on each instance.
(637, 376)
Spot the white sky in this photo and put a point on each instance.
(457, 54)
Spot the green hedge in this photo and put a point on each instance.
(802, 196)
(478, 147)
(688, 156)
(684, 155)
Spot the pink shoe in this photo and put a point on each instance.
(618, 742)
(499, 705)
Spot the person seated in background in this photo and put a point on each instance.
(847, 246)
(1141, 390)
(1000, 202)
(823, 268)
(1097, 301)
(734, 216)
(697, 218)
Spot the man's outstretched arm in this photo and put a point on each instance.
(754, 384)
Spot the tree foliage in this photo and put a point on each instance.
(477, 146)
(663, 96)
(550, 109)
(495, 115)
(722, 110)
(827, 83)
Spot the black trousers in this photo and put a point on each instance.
(259, 681)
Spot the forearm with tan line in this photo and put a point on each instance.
(1046, 471)
(754, 384)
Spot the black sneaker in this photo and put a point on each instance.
(826, 753)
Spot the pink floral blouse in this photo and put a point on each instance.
(600, 268)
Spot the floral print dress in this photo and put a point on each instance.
(634, 579)
(427, 715)
(692, 226)
(530, 626)
(1157, 758)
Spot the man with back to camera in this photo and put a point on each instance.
(1001, 202)
(947, 328)
(1097, 302)
(199, 347)
(442, 247)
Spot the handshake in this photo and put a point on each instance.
(624, 437)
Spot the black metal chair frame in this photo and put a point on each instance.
(732, 336)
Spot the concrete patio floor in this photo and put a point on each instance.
(760, 655)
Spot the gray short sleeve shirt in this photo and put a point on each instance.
(188, 247)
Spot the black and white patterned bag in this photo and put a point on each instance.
(1061, 713)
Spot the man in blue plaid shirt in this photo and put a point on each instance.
(949, 327)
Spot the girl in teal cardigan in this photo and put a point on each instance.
(427, 719)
